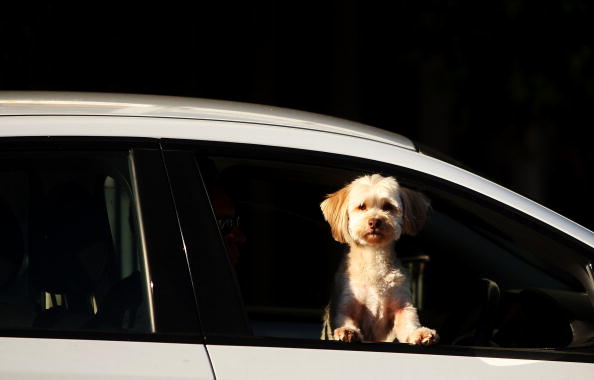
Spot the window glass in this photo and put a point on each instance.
(70, 258)
(480, 275)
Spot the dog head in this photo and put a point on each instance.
(374, 211)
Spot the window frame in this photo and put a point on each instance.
(299, 156)
(208, 262)
(159, 232)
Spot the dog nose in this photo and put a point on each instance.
(374, 223)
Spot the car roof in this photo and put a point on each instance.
(14, 103)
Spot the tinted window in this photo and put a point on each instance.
(71, 258)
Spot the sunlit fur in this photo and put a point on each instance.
(371, 299)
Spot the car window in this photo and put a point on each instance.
(71, 258)
(481, 275)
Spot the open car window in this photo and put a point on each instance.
(480, 274)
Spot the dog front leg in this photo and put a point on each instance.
(347, 319)
(408, 329)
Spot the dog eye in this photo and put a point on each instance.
(388, 207)
(362, 207)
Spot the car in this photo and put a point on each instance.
(176, 238)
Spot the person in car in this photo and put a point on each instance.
(228, 221)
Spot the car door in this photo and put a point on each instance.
(94, 281)
(506, 293)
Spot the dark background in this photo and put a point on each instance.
(506, 87)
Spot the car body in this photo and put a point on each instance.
(116, 265)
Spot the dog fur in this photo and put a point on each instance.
(371, 300)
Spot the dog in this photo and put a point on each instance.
(371, 300)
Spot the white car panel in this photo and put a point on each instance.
(244, 362)
(34, 358)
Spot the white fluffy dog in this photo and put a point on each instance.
(372, 299)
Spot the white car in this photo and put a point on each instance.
(166, 238)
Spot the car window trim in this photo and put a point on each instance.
(403, 348)
(142, 238)
(171, 281)
(208, 261)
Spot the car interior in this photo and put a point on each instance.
(481, 275)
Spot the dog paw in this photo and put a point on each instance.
(423, 336)
(346, 334)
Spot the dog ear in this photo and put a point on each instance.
(416, 206)
(334, 208)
